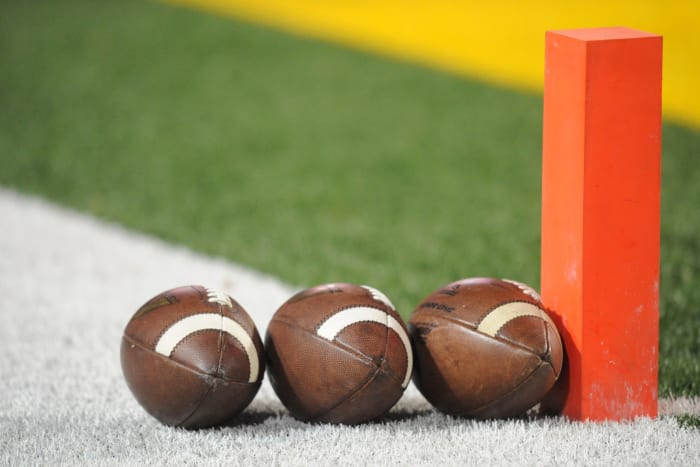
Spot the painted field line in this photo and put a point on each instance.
(66, 254)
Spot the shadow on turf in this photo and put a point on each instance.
(276, 417)
(395, 418)
(249, 419)
(253, 418)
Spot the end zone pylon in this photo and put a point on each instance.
(601, 186)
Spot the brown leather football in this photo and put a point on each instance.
(484, 348)
(338, 353)
(192, 357)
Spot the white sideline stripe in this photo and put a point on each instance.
(499, 316)
(186, 326)
(336, 323)
(679, 406)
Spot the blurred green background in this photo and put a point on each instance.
(302, 159)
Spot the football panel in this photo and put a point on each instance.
(161, 312)
(365, 338)
(527, 331)
(322, 289)
(470, 300)
(236, 363)
(523, 397)
(199, 340)
(555, 354)
(398, 360)
(376, 397)
(460, 370)
(310, 308)
(238, 314)
(167, 390)
(224, 401)
(199, 351)
(309, 373)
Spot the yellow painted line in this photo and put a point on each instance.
(501, 42)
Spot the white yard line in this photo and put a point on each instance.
(680, 406)
(44, 246)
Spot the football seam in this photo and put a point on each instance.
(349, 350)
(336, 311)
(548, 354)
(199, 404)
(344, 347)
(352, 350)
(221, 347)
(474, 412)
(388, 314)
(134, 342)
(221, 336)
(507, 302)
(430, 311)
(468, 326)
(221, 331)
(196, 333)
(210, 380)
(360, 387)
(517, 344)
(177, 320)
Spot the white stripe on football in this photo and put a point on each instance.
(339, 321)
(500, 316)
(200, 322)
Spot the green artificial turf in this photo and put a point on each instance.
(690, 421)
(301, 159)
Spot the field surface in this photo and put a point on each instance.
(499, 42)
(65, 401)
(307, 161)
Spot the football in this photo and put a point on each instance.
(338, 353)
(484, 348)
(192, 357)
